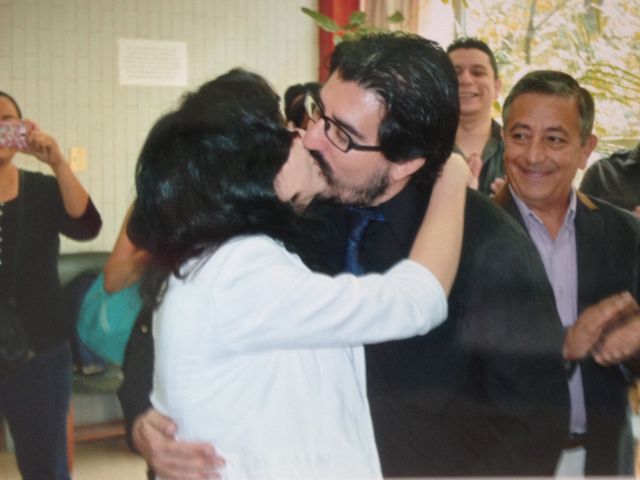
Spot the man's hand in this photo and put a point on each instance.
(497, 184)
(591, 327)
(636, 211)
(154, 438)
(475, 165)
(622, 341)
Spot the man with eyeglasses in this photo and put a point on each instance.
(485, 394)
(466, 399)
(591, 253)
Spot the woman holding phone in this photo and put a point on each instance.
(255, 353)
(34, 210)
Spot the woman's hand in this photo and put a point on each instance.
(45, 148)
(42, 146)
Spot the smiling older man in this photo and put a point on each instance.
(591, 253)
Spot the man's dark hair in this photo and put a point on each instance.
(476, 43)
(12, 100)
(205, 174)
(294, 96)
(417, 85)
(552, 82)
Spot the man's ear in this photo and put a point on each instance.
(403, 170)
(587, 148)
(498, 87)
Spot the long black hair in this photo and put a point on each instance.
(205, 174)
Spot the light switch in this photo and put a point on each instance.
(78, 159)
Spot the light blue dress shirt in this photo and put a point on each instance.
(560, 262)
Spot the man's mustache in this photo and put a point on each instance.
(324, 166)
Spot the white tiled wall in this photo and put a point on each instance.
(58, 58)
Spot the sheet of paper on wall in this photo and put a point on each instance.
(154, 63)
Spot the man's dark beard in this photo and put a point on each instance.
(361, 196)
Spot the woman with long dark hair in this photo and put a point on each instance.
(255, 353)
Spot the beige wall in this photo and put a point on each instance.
(59, 59)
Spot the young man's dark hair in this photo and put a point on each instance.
(475, 43)
(417, 86)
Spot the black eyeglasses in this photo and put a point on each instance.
(334, 132)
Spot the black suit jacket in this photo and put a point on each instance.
(608, 250)
(485, 393)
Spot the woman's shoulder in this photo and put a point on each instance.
(38, 181)
(256, 249)
(34, 176)
(245, 252)
(39, 188)
(252, 244)
(239, 262)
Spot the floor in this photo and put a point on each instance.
(108, 460)
(96, 460)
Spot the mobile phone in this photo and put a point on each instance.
(13, 134)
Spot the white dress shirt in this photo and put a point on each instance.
(262, 358)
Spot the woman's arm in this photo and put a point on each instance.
(126, 262)
(45, 148)
(292, 307)
(439, 240)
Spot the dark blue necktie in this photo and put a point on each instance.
(359, 220)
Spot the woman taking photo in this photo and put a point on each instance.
(34, 210)
(254, 352)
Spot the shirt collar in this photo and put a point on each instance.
(530, 217)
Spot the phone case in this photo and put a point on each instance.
(13, 135)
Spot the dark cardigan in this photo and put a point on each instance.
(37, 287)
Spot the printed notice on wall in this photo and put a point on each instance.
(155, 63)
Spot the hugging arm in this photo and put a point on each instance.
(154, 436)
(439, 240)
(126, 262)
